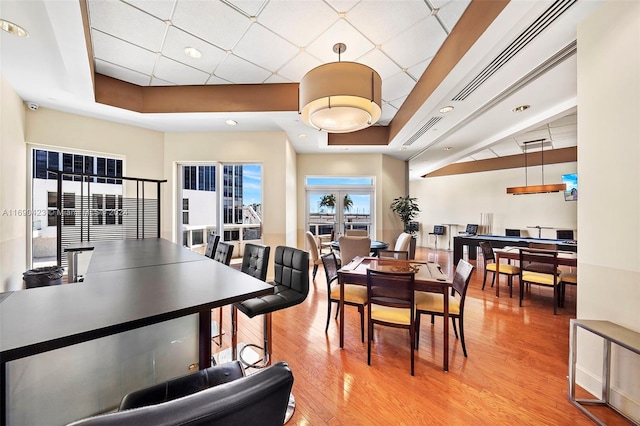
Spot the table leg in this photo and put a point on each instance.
(446, 329)
(497, 277)
(204, 351)
(234, 333)
(341, 308)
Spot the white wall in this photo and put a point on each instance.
(460, 199)
(270, 149)
(13, 189)
(389, 180)
(609, 180)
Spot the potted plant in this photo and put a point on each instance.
(407, 209)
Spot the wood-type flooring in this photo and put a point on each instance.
(516, 371)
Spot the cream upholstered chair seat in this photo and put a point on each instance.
(390, 315)
(353, 293)
(539, 278)
(569, 277)
(504, 268)
(434, 302)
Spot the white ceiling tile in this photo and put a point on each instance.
(380, 63)
(128, 23)
(158, 82)
(290, 19)
(295, 69)
(179, 73)
(396, 86)
(340, 32)
(483, 155)
(239, 71)
(276, 78)
(451, 11)
(217, 80)
(533, 135)
(388, 112)
(342, 6)
(177, 40)
(126, 55)
(506, 148)
(213, 21)
(418, 69)
(124, 74)
(250, 7)
(161, 9)
(381, 20)
(264, 48)
(409, 47)
(564, 143)
(397, 103)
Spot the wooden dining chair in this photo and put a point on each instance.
(314, 253)
(532, 261)
(394, 254)
(354, 294)
(351, 247)
(489, 260)
(433, 303)
(391, 299)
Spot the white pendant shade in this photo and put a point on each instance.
(341, 97)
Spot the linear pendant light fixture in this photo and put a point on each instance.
(535, 189)
(340, 97)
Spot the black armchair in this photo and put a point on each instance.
(219, 395)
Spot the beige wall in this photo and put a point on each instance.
(13, 189)
(270, 149)
(460, 199)
(609, 206)
(389, 177)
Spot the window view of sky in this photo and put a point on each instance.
(251, 184)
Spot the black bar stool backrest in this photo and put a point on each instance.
(212, 244)
(255, 260)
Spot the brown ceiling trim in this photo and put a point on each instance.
(84, 12)
(552, 156)
(375, 135)
(118, 93)
(284, 97)
(472, 24)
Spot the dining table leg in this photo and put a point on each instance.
(445, 338)
(341, 309)
(204, 353)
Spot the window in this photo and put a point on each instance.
(185, 211)
(75, 163)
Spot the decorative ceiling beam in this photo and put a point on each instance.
(552, 156)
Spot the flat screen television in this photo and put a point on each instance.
(571, 180)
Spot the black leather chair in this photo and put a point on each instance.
(212, 244)
(255, 262)
(222, 253)
(291, 287)
(219, 395)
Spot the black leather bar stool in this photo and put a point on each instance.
(291, 287)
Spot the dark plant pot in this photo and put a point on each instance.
(412, 248)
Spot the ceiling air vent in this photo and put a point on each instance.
(429, 124)
(543, 21)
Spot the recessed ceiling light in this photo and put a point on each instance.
(402, 148)
(231, 122)
(192, 52)
(302, 135)
(448, 148)
(12, 28)
(521, 108)
(446, 109)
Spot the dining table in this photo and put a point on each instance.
(566, 258)
(429, 277)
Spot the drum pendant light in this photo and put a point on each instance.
(340, 97)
